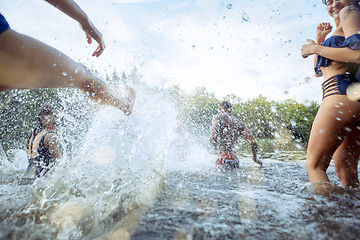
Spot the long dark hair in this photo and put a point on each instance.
(44, 111)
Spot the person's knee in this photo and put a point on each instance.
(313, 163)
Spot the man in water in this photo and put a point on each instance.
(225, 132)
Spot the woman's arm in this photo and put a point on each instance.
(337, 54)
(322, 30)
(350, 23)
(70, 8)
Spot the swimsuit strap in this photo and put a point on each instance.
(41, 143)
(32, 141)
(330, 87)
(33, 134)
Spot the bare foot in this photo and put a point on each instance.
(129, 100)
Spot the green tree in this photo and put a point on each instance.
(196, 111)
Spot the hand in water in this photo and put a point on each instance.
(258, 161)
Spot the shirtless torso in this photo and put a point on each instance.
(225, 132)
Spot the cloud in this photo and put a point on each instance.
(224, 53)
(249, 49)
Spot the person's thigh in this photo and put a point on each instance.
(28, 63)
(335, 115)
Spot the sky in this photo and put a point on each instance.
(241, 47)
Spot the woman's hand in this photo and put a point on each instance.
(322, 30)
(93, 33)
(308, 49)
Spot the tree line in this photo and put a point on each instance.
(284, 122)
(267, 119)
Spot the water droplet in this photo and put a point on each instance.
(339, 119)
(229, 6)
(244, 17)
(64, 73)
(353, 91)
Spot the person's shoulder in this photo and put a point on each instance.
(350, 10)
(51, 138)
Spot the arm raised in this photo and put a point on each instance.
(73, 10)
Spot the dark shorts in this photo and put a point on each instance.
(3, 24)
(337, 84)
(227, 160)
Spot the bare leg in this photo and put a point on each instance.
(327, 133)
(346, 158)
(28, 63)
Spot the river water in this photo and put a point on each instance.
(142, 177)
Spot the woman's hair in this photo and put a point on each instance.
(354, 2)
(44, 111)
(226, 105)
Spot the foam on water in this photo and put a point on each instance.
(108, 186)
(119, 167)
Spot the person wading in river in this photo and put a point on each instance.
(335, 133)
(43, 144)
(225, 132)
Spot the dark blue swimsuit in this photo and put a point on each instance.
(43, 160)
(3, 24)
(338, 83)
